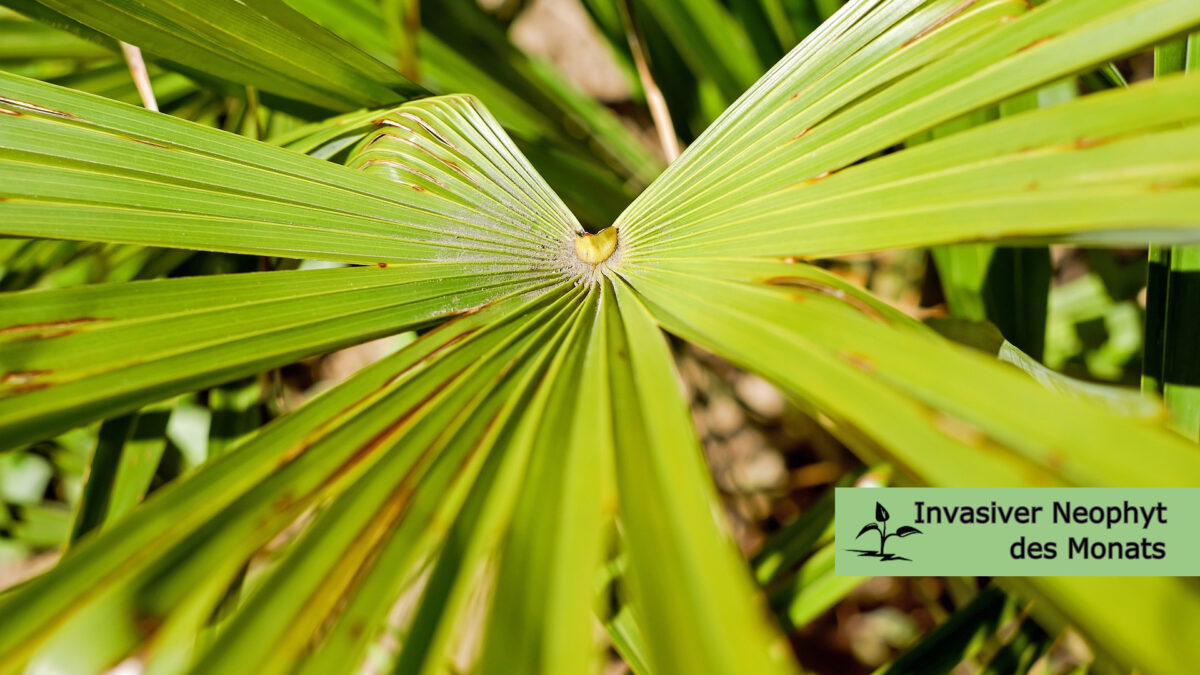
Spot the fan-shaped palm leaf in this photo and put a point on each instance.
(485, 471)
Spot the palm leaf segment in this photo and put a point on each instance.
(478, 472)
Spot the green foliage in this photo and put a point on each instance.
(527, 465)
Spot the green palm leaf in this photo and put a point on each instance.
(784, 148)
(132, 344)
(78, 167)
(261, 43)
(484, 475)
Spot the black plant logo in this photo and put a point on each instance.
(880, 528)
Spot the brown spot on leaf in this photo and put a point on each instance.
(1034, 44)
(23, 381)
(373, 140)
(22, 376)
(37, 108)
(427, 127)
(958, 429)
(800, 135)
(295, 451)
(860, 361)
(390, 432)
(1168, 185)
(146, 142)
(50, 326)
(32, 386)
(284, 502)
(147, 623)
(830, 290)
(48, 335)
(940, 21)
(454, 166)
(818, 178)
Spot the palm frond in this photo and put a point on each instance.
(481, 478)
(786, 147)
(261, 43)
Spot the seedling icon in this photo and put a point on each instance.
(880, 528)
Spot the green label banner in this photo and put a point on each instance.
(1017, 532)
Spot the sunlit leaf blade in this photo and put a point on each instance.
(78, 167)
(261, 43)
(450, 159)
(900, 68)
(541, 617)
(216, 519)
(462, 568)
(941, 414)
(471, 477)
(1020, 433)
(393, 517)
(329, 136)
(76, 355)
(433, 508)
(463, 49)
(1130, 402)
(478, 169)
(1120, 160)
(691, 593)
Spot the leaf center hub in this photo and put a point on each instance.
(594, 249)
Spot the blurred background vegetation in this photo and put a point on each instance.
(562, 77)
